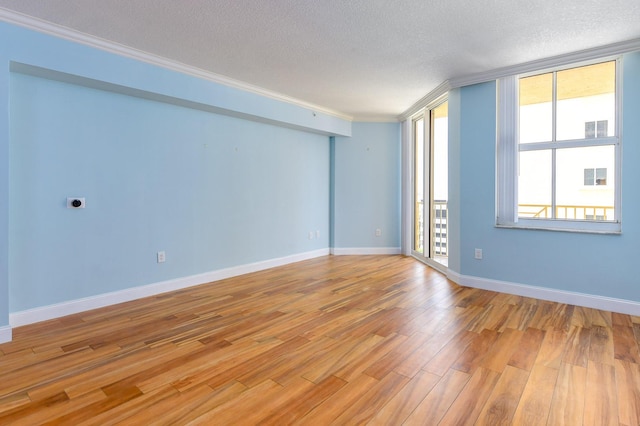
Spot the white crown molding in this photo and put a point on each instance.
(600, 52)
(69, 34)
(57, 310)
(366, 251)
(5, 334)
(375, 119)
(427, 99)
(628, 307)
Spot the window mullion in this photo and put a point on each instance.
(553, 185)
(554, 104)
(554, 118)
(575, 143)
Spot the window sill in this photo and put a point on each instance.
(603, 228)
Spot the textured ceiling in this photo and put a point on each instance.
(369, 59)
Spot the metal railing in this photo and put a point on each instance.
(439, 228)
(543, 211)
(418, 228)
(439, 215)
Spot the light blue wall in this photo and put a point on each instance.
(585, 263)
(367, 193)
(214, 176)
(212, 191)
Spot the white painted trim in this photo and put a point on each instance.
(382, 118)
(65, 33)
(427, 99)
(44, 313)
(561, 296)
(586, 55)
(541, 64)
(5, 334)
(406, 207)
(364, 251)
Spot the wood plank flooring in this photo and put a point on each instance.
(380, 340)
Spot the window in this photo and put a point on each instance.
(595, 177)
(559, 149)
(596, 129)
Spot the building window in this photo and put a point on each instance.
(595, 177)
(596, 129)
(552, 127)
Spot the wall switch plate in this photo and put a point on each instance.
(75, 203)
(478, 254)
(162, 257)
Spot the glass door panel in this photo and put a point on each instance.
(418, 185)
(439, 192)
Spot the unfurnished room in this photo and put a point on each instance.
(319, 212)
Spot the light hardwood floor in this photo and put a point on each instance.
(333, 340)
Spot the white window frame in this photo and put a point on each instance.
(507, 149)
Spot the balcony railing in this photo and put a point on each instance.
(543, 211)
(439, 215)
(439, 245)
(439, 228)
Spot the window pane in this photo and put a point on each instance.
(439, 140)
(601, 177)
(418, 182)
(589, 177)
(603, 130)
(586, 95)
(534, 184)
(535, 97)
(578, 198)
(590, 129)
(439, 181)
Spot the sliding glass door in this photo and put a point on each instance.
(430, 184)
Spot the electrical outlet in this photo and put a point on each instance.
(478, 254)
(162, 257)
(378, 232)
(318, 234)
(311, 235)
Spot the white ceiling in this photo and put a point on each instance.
(368, 59)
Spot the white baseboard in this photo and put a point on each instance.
(359, 251)
(554, 295)
(57, 310)
(5, 334)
